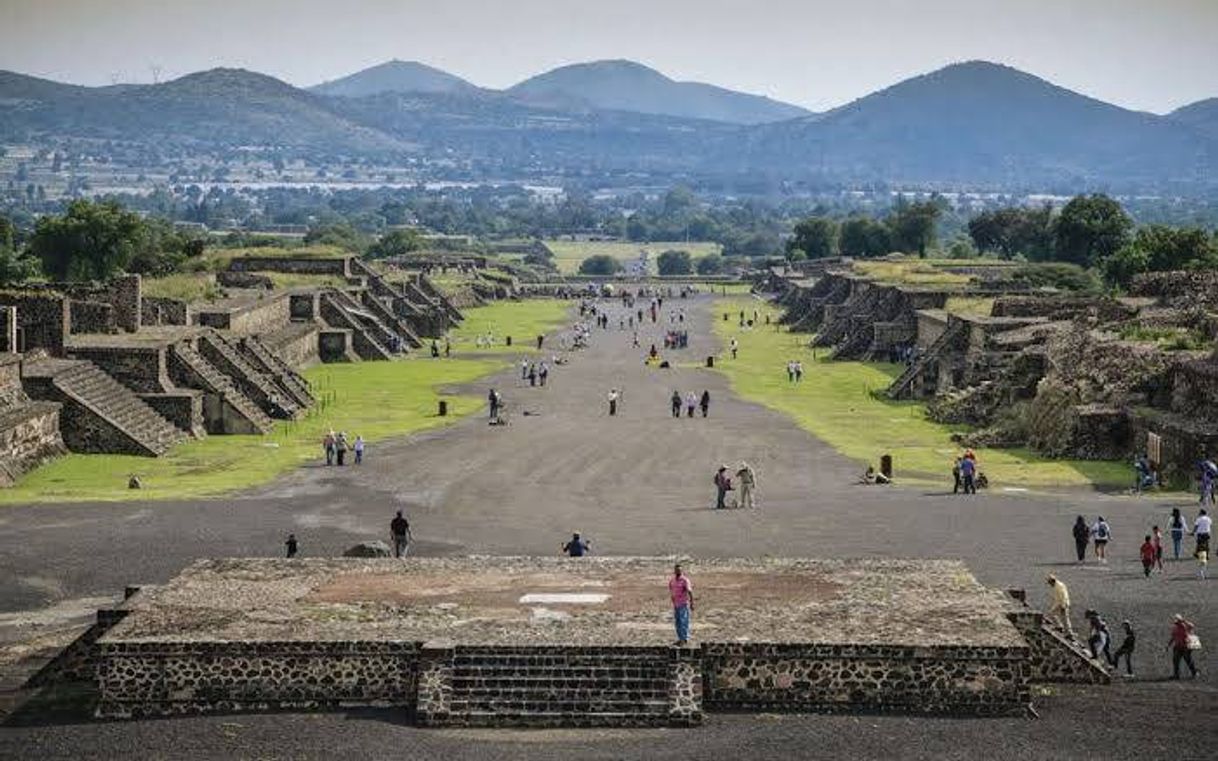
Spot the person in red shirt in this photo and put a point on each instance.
(1148, 556)
(682, 594)
(1182, 644)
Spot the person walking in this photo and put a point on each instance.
(340, 448)
(540, 341)
(1202, 527)
(790, 371)
(735, 348)
(1098, 640)
(532, 374)
(327, 444)
(577, 547)
(1128, 643)
(543, 373)
(358, 448)
(1178, 527)
(399, 532)
(723, 484)
(1147, 554)
(613, 397)
(957, 481)
(493, 400)
(1101, 533)
(291, 545)
(704, 402)
(1156, 538)
(1208, 477)
(524, 369)
(682, 594)
(1059, 606)
(748, 485)
(676, 404)
(1082, 537)
(799, 371)
(691, 403)
(1183, 642)
(968, 474)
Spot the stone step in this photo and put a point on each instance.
(559, 719)
(221, 385)
(523, 707)
(256, 386)
(119, 406)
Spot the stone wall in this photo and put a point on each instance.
(43, 320)
(263, 316)
(880, 678)
(29, 436)
(299, 265)
(1053, 658)
(297, 345)
(164, 679)
(159, 311)
(92, 317)
(140, 368)
(183, 408)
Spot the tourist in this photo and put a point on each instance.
(1059, 608)
(613, 398)
(748, 485)
(956, 480)
(1156, 538)
(723, 484)
(492, 398)
(1144, 477)
(1101, 533)
(704, 402)
(682, 594)
(636, 339)
(524, 369)
(968, 474)
(577, 547)
(543, 372)
(358, 447)
(448, 347)
(1202, 527)
(1203, 560)
(435, 349)
(676, 404)
(1147, 554)
(1099, 638)
(540, 341)
(291, 545)
(799, 371)
(1209, 475)
(1183, 642)
(735, 346)
(1128, 642)
(327, 444)
(691, 403)
(1178, 527)
(532, 374)
(1082, 537)
(399, 531)
(340, 448)
(790, 371)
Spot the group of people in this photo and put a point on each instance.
(676, 339)
(1182, 642)
(746, 477)
(336, 445)
(1099, 534)
(795, 371)
(690, 402)
(534, 372)
(966, 475)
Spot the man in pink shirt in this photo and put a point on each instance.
(682, 594)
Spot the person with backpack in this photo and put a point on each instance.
(577, 547)
(1101, 533)
(1209, 474)
(1202, 527)
(1082, 537)
(1183, 642)
(968, 474)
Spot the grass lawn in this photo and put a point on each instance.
(522, 320)
(376, 400)
(568, 254)
(834, 402)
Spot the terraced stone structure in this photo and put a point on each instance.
(486, 641)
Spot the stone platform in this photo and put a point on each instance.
(564, 642)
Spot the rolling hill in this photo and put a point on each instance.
(394, 76)
(629, 86)
(982, 123)
(1201, 116)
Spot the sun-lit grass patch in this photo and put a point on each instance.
(972, 306)
(568, 254)
(522, 320)
(836, 403)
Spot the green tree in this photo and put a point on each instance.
(674, 263)
(14, 268)
(862, 237)
(600, 264)
(816, 237)
(1089, 229)
(340, 235)
(395, 243)
(1156, 248)
(711, 264)
(913, 225)
(91, 240)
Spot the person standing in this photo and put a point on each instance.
(1183, 642)
(358, 448)
(1059, 606)
(682, 594)
(613, 397)
(291, 545)
(399, 531)
(790, 372)
(1156, 538)
(543, 373)
(799, 371)
(577, 547)
(327, 444)
(1082, 537)
(1147, 554)
(748, 485)
(524, 369)
(1178, 527)
(532, 374)
(968, 474)
(676, 404)
(540, 341)
(722, 484)
(340, 447)
(1099, 638)
(1128, 643)
(448, 347)
(704, 402)
(956, 480)
(735, 348)
(1101, 533)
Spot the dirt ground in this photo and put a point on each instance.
(635, 484)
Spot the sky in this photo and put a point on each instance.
(1151, 55)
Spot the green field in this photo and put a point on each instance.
(835, 403)
(522, 320)
(568, 254)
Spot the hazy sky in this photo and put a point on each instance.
(1153, 55)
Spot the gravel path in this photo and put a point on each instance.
(635, 484)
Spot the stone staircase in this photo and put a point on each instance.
(101, 414)
(191, 369)
(253, 383)
(340, 311)
(553, 687)
(900, 386)
(288, 380)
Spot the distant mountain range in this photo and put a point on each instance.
(972, 124)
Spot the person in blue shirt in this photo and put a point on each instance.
(577, 547)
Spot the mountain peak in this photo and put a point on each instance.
(394, 75)
(231, 81)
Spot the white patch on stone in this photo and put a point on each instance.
(1013, 488)
(545, 615)
(564, 598)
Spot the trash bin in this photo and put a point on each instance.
(886, 466)
(509, 340)
(443, 412)
(710, 361)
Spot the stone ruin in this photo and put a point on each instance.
(1047, 370)
(104, 369)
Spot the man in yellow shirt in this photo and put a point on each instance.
(1059, 609)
